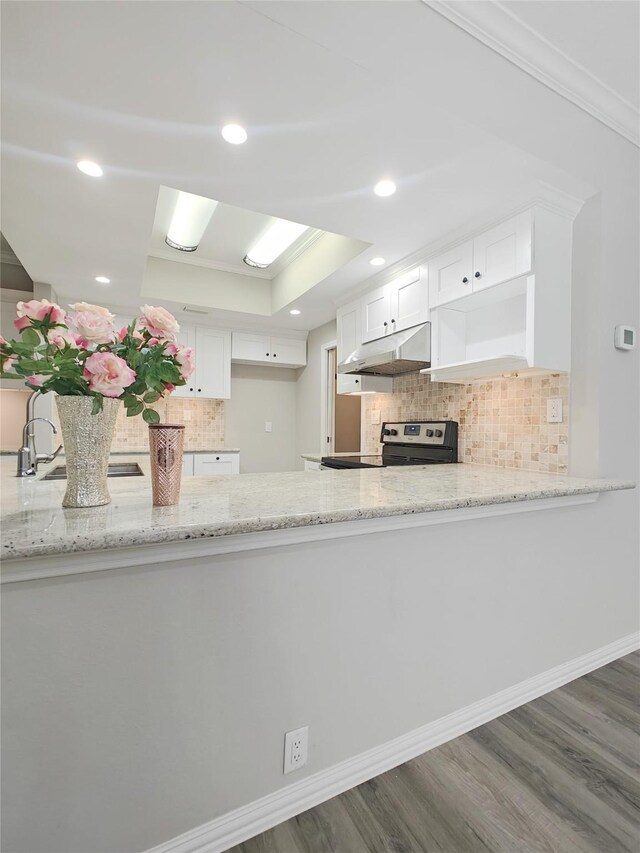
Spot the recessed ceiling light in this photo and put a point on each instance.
(190, 218)
(88, 167)
(102, 279)
(384, 188)
(376, 262)
(272, 244)
(294, 311)
(234, 133)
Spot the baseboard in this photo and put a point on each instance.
(243, 823)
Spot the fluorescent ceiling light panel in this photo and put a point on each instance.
(272, 244)
(189, 222)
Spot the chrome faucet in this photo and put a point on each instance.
(28, 457)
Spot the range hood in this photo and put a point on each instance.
(401, 352)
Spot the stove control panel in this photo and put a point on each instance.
(418, 432)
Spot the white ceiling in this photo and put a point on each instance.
(334, 96)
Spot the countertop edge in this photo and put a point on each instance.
(82, 545)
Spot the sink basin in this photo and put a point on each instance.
(116, 469)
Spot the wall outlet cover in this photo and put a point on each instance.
(268, 426)
(554, 411)
(296, 745)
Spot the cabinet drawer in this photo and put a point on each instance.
(216, 463)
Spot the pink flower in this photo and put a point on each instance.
(184, 357)
(60, 337)
(108, 374)
(37, 309)
(92, 322)
(34, 380)
(160, 323)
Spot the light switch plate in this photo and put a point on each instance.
(375, 417)
(268, 426)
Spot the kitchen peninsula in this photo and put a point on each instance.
(153, 652)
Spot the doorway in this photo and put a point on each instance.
(343, 412)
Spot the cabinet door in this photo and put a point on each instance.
(349, 339)
(250, 347)
(216, 463)
(187, 465)
(451, 274)
(409, 299)
(503, 252)
(288, 352)
(213, 364)
(187, 337)
(376, 313)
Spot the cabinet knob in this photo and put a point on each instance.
(275, 355)
(385, 323)
(478, 275)
(357, 380)
(267, 353)
(217, 458)
(465, 280)
(394, 322)
(190, 389)
(199, 390)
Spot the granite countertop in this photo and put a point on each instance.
(35, 524)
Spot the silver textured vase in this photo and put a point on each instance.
(87, 443)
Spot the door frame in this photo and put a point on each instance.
(327, 410)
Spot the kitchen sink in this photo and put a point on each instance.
(115, 469)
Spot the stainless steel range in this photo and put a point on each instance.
(407, 443)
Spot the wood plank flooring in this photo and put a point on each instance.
(558, 775)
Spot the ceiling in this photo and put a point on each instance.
(334, 96)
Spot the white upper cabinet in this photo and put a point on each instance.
(395, 306)
(211, 380)
(499, 254)
(516, 315)
(349, 339)
(288, 352)
(450, 274)
(503, 252)
(376, 313)
(250, 348)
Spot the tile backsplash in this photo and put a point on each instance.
(503, 422)
(203, 419)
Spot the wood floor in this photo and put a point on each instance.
(560, 775)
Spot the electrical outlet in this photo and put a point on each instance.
(554, 411)
(186, 415)
(375, 417)
(296, 745)
(268, 426)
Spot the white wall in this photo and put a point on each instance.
(260, 394)
(308, 438)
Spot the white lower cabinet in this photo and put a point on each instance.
(310, 465)
(204, 464)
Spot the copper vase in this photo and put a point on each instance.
(166, 446)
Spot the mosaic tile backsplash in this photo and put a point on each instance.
(204, 421)
(503, 422)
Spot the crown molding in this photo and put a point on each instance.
(185, 258)
(501, 30)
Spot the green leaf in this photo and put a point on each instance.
(97, 405)
(135, 409)
(151, 416)
(151, 397)
(30, 337)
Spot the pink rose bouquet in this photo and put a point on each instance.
(81, 354)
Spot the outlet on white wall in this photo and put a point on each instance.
(554, 411)
(268, 426)
(375, 417)
(295, 749)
